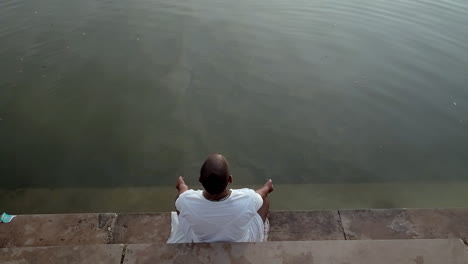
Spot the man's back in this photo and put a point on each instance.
(234, 219)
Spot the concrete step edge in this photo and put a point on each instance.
(428, 251)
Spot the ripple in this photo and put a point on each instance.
(289, 71)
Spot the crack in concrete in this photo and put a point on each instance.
(124, 251)
(340, 222)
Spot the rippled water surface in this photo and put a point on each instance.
(101, 93)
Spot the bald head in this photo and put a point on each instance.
(214, 174)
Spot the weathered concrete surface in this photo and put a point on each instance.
(440, 223)
(103, 254)
(56, 230)
(405, 223)
(377, 224)
(414, 251)
(305, 225)
(142, 228)
(317, 252)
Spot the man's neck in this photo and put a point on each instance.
(217, 197)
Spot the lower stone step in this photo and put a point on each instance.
(414, 251)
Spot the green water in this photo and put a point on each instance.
(99, 94)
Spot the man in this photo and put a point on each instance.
(218, 213)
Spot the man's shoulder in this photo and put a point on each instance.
(243, 192)
(191, 194)
(187, 197)
(248, 195)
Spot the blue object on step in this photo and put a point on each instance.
(5, 218)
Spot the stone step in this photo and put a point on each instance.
(154, 228)
(414, 251)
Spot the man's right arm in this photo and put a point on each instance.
(265, 189)
(181, 186)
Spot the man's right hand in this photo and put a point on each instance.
(180, 185)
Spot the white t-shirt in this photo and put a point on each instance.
(232, 220)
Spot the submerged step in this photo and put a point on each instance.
(285, 197)
(431, 251)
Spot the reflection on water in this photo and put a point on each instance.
(133, 93)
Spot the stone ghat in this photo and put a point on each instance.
(409, 251)
(413, 235)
